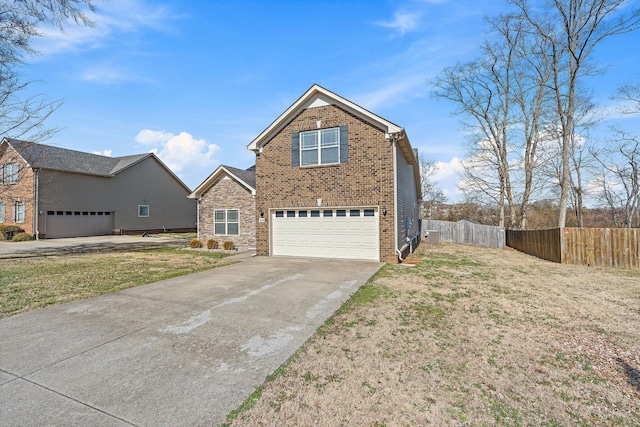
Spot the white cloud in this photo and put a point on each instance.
(182, 153)
(111, 18)
(148, 136)
(447, 176)
(403, 22)
(103, 153)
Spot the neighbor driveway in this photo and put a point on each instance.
(184, 351)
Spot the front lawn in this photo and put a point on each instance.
(34, 282)
(468, 337)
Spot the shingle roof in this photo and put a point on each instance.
(246, 178)
(246, 175)
(65, 160)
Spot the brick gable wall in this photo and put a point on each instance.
(365, 180)
(22, 191)
(228, 194)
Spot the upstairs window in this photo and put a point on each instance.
(9, 173)
(320, 147)
(3, 210)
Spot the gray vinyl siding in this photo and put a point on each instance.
(407, 200)
(146, 183)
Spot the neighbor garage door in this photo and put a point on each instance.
(76, 224)
(326, 233)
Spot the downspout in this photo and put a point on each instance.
(198, 216)
(394, 143)
(36, 204)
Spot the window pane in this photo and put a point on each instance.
(327, 213)
(354, 212)
(232, 215)
(302, 214)
(309, 140)
(315, 214)
(220, 216)
(232, 229)
(291, 214)
(309, 157)
(2, 212)
(330, 137)
(143, 210)
(330, 155)
(219, 228)
(341, 212)
(279, 214)
(369, 212)
(11, 173)
(19, 207)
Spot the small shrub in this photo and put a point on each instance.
(195, 243)
(212, 244)
(8, 231)
(228, 245)
(22, 237)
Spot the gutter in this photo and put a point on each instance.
(394, 142)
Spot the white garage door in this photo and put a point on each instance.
(326, 233)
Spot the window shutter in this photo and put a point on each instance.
(344, 145)
(295, 149)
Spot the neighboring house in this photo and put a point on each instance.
(54, 192)
(335, 180)
(227, 207)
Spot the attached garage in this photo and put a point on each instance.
(351, 232)
(78, 224)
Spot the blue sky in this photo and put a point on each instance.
(196, 81)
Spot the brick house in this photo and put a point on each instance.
(335, 180)
(227, 207)
(53, 192)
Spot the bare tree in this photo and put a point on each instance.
(619, 180)
(504, 93)
(631, 94)
(432, 196)
(19, 21)
(572, 30)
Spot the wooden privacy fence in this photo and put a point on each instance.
(607, 247)
(466, 233)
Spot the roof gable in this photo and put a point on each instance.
(317, 96)
(42, 156)
(244, 177)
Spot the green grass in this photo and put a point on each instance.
(30, 283)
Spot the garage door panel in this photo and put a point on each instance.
(353, 237)
(77, 224)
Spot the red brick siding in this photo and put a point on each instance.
(365, 180)
(228, 194)
(22, 191)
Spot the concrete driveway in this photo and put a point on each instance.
(184, 351)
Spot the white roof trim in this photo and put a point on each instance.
(317, 96)
(213, 177)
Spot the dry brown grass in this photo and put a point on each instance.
(469, 336)
(33, 282)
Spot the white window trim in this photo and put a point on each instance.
(10, 177)
(319, 147)
(16, 211)
(226, 222)
(139, 213)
